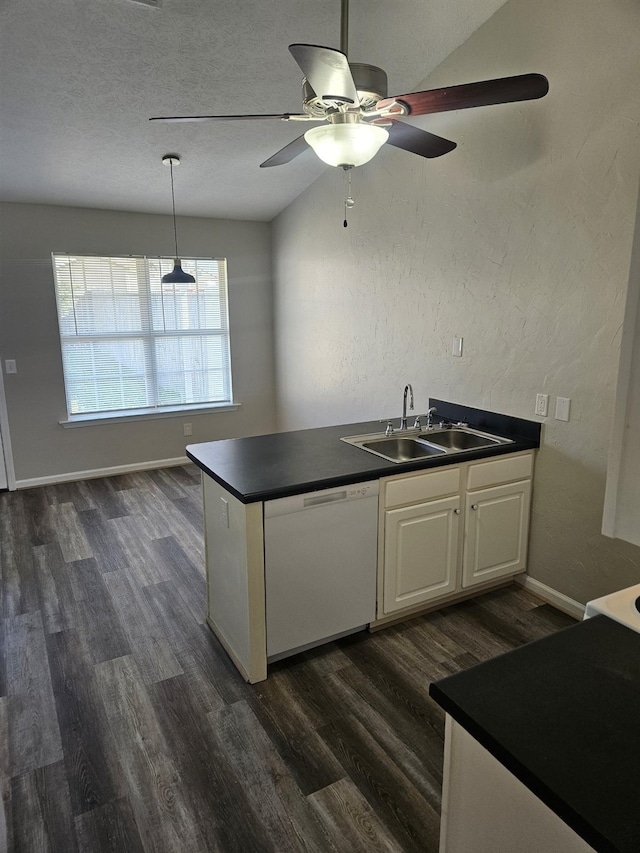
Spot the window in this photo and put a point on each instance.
(130, 342)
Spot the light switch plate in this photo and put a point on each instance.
(456, 349)
(563, 405)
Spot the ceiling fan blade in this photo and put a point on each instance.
(504, 90)
(327, 71)
(286, 154)
(281, 116)
(418, 141)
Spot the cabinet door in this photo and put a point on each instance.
(496, 532)
(420, 552)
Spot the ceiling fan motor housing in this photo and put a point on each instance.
(371, 83)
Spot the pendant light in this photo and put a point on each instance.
(178, 275)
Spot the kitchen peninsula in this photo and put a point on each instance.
(443, 497)
(542, 746)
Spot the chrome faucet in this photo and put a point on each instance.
(407, 390)
(417, 424)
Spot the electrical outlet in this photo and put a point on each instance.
(542, 405)
(563, 406)
(10, 365)
(187, 430)
(224, 512)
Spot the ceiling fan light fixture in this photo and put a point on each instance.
(347, 145)
(177, 275)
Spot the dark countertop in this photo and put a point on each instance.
(563, 715)
(264, 467)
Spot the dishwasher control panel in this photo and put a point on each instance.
(362, 490)
(310, 500)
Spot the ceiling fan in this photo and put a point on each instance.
(350, 100)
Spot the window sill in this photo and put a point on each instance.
(144, 415)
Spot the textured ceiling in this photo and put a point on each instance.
(80, 78)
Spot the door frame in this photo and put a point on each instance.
(5, 439)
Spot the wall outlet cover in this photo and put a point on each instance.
(542, 405)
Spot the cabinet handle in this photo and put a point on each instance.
(474, 506)
(457, 511)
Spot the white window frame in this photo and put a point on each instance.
(150, 336)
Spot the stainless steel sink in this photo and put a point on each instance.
(411, 444)
(399, 449)
(461, 439)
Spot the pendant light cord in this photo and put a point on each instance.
(173, 205)
(178, 276)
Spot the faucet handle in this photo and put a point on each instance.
(430, 413)
(389, 428)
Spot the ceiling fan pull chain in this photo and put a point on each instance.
(348, 200)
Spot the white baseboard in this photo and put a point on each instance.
(91, 474)
(552, 596)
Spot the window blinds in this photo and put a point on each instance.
(131, 342)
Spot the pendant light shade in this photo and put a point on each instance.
(346, 144)
(177, 275)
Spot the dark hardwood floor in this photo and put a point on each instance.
(124, 727)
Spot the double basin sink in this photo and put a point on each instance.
(410, 444)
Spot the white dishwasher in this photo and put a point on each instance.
(320, 566)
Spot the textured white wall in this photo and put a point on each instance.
(29, 333)
(519, 240)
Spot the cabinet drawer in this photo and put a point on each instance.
(422, 487)
(502, 470)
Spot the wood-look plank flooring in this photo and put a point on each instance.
(124, 726)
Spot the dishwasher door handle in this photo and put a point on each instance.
(325, 498)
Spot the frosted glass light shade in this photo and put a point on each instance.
(346, 144)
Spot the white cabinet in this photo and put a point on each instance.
(450, 529)
(420, 552)
(496, 528)
(486, 808)
(497, 509)
(234, 555)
